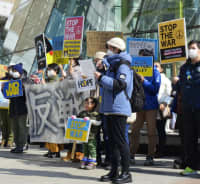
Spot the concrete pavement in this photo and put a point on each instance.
(32, 168)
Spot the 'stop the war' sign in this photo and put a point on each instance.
(172, 41)
(73, 36)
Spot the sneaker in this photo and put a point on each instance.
(188, 171)
(149, 161)
(16, 150)
(91, 165)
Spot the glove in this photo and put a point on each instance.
(86, 118)
(73, 117)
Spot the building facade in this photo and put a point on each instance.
(135, 18)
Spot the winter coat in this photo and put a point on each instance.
(165, 90)
(151, 88)
(114, 84)
(189, 86)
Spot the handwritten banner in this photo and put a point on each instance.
(85, 84)
(12, 89)
(49, 106)
(77, 129)
(143, 65)
(73, 36)
(172, 41)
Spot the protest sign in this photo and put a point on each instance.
(87, 67)
(143, 65)
(86, 84)
(4, 103)
(49, 106)
(43, 46)
(3, 70)
(136, 45)
(96, 40)
(58, 56)
(40, 51)
(12, 89)
(77, 129)
(172, 41)
(73, 36)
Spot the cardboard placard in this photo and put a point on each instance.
(96, 40)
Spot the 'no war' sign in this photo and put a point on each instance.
(12, 89)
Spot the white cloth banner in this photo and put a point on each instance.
(49, 106)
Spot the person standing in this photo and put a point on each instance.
(117, 86)
(164, 101)
(148, 114)
(18, 113)
(189, 88)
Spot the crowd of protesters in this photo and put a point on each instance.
(109, 107)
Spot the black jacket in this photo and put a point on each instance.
(189, 86)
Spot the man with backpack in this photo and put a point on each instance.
(148, 114)
(117, 86)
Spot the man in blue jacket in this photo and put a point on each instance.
(189, 88)
(148, 114)
(116, 106)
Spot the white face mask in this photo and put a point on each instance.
(193, 53)
(10, 72)
(110, 52)
(16, 75)
(50, 73)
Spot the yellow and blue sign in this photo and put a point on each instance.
(77, 129)
(12, 89)
(143, 65)
(56, 55)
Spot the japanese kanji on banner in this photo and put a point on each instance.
(49, 106)
(73, 36)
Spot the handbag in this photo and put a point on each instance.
(166, 113)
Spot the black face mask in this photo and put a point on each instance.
(101, 70)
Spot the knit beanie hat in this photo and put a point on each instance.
(18, 67)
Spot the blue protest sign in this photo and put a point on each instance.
(58, 42)
(143, 65)
(77, 129)
(136, 45)
(12, 89)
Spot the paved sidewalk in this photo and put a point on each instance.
(33, 168)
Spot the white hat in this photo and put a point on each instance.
(99, 55)
(117, 42)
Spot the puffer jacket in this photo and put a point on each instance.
(113, 85)
(189, 86)
(151, 88)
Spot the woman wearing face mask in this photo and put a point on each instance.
(52, 76)
(18, 113)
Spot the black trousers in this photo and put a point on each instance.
(191, 125)
(160, 125)
(116, 125)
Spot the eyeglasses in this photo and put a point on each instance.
(88, 103)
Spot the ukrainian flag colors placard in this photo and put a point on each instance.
(77, 129)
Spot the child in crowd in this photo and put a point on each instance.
(89, 148)
(52, 76)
